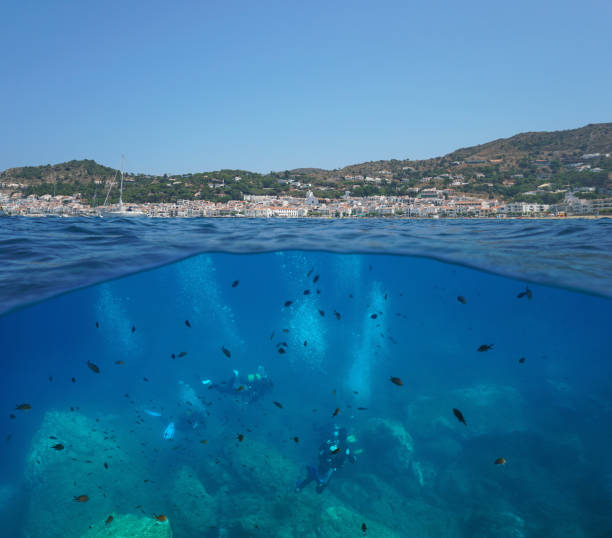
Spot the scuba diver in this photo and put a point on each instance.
(333, 453)
(190, 413)
(248, 388)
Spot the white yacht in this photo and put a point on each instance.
(121, 211)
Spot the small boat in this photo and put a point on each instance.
(121, 211)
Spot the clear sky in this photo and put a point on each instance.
(183, 86)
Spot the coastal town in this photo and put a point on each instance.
(421, 203)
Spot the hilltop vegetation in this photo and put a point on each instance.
(535, 166)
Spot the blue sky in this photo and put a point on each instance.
(191, 86)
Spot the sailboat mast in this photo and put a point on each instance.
(121, 187)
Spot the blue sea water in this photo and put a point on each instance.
(76, 291)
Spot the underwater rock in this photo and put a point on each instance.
(193, 509)
(484, 524)
(53, 478)
(130, 526)
(387, 446)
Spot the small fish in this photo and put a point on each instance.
(152, 413)
(187, 323)
(105, 465)
(161, 518)
(309, 273)
(133, 328)
(235, 283)
(272, 335)
(119, 362)
(240, 437)
(335, 413)
(182, 354)
(23, 407)
(364, 528)
(396, 381)
(226, 352)
(322, 313)
(50, 379)
(306, 292)
(335, 450)
(240, 388)
(316, 279)
(462, 299)
(459, 416)
(337, 314)
(173, 356)
(485, 347)
(74, 380)
(305, 343)
(278, 404)
(93, 367)
(362, 409)
(97, 325)
(288, 303)
(296, 439)
(500, 461)
(286, 331)
(109, 519)
(374, 316)
(12, 416)
(527, 292)
(81, 498)
(282, 350)
(58, 446)
(522, 360)
(385, 296)
(204, 441)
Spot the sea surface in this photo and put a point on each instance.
(469, 363)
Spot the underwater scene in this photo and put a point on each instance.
(308, 393)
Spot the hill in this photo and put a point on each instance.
(536, 166)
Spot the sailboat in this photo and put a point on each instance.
(122, 211)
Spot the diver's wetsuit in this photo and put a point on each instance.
(254, 386)
(333, 453)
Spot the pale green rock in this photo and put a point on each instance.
(130, 526)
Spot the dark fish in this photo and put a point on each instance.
(322, 313)
(306, 292)
(119, 362)
(296, 439)
(240, 388)
(500, 461)
(73, 380)
(50, 379)
(145, 379)
(81, 498)
(336, 412)
(23, 407)
(459, 416)
(182, 354)
(364, 527)
(396, 381)
(305, 343)
(350, 295)
(522, 360)
(272, 335)
(235, 283)
(527, 292)
(337, 314)
(362, 409)
(309, 273)
(173, 356)
(187, 323)
(240, 437)
(93, 367)
(385, 297)
(462, 299)
(133, 328)
(286, 331)
(105, 465)
(226, 352)
(109, 519)
(374, 316)
(316, 279)
(97, 325)
(278, 404)
(288, 303)
(485, 347)
(282, 350)
(335, 450)
(11, 416)
(58, 446)
(318, 292)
